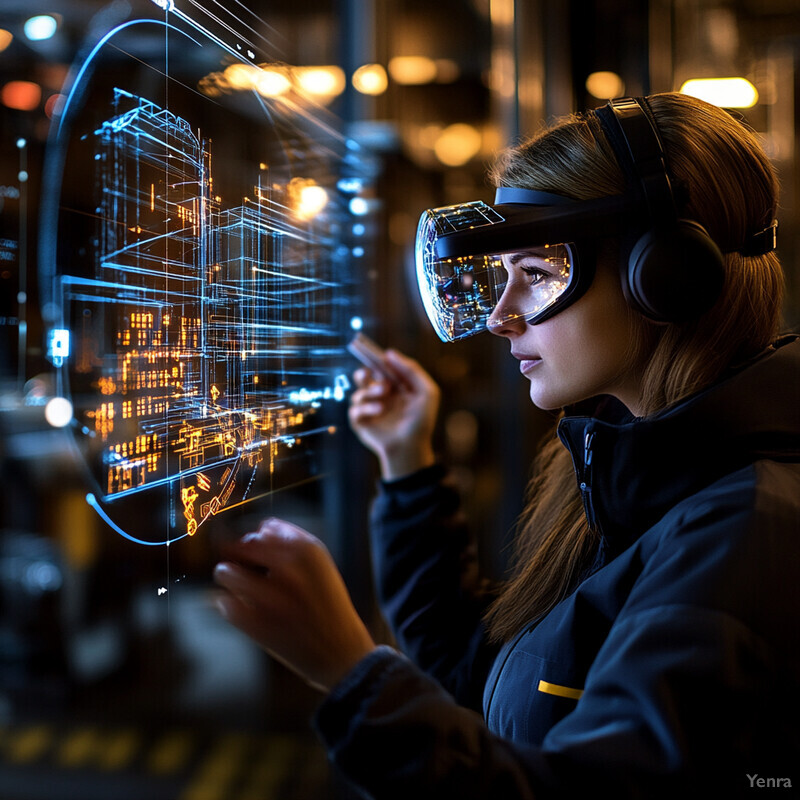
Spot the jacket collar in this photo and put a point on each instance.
(632, 471)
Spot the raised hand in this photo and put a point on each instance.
(396, 420)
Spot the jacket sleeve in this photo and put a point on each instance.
(689, 695)
(427, 582)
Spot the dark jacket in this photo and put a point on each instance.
(674, 665)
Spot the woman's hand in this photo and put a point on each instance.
(282, 588)
(396, 420)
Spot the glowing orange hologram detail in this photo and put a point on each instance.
(188, 498)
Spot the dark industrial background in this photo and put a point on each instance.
(111, 690)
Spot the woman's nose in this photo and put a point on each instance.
(505, 319)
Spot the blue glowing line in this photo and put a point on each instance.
(299, 278)
(92, 501)
(90, 298)
(77, 82)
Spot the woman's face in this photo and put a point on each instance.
(580, 352)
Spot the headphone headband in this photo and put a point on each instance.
(634, 137)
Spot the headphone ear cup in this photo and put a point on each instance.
(674, 273)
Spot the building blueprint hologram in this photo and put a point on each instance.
(204, 344)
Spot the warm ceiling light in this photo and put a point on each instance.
(605, 85)
(501, 12)
(307, 198)
(312, 200)
(723, 92)
(241, 76)
(40, 27)
(370, 79)
(412, 70)
(271, 82)
(6, 37)
(457, 144)
(320, 81)
(21, 95)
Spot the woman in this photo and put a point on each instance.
(648, 640)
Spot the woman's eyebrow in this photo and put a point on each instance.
(515, 258)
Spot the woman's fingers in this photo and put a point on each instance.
(408, 373)
(366, 411)
(237, 612)
(362, 376)
(375, 391)
(415, 377)
(267, 547)
(240, 581)
(282, 588)
(258, 624)
(369, 402)
(273, 565)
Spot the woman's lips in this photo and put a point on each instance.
(527, 364)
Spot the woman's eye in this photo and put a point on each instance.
(536, 275)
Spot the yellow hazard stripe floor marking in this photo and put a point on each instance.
(270, 767)
(237, 766)
(79, 747)
(170, 753)
(118, 749)
(28, 744)
(219, 768)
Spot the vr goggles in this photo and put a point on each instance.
(536, 246)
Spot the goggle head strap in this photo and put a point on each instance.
(509, 195)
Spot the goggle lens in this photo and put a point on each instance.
(468, 294)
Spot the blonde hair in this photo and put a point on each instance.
(731, 188)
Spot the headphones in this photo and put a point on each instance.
(673, 271)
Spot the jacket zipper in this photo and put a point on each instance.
(586, 480)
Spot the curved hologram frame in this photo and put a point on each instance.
(92, 501)
(200, 342)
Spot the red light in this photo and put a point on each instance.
(53, 105)
(21, 95)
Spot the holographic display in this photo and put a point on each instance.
(201, 277)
